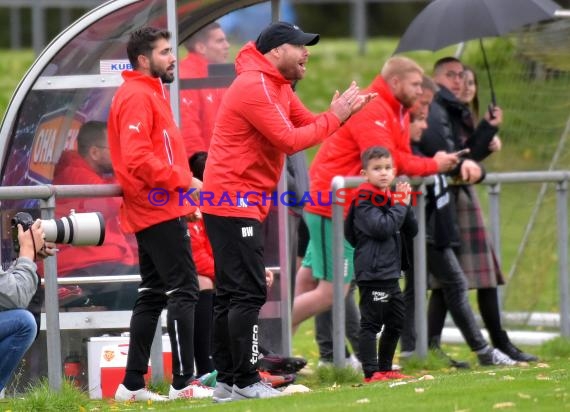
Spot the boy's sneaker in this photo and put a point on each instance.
(123, 394)
(193, 391)
(386, 376)
(494, 356)
(391, 375)
(222, 392)
(255, 390)
(376, 377)
(209, 379)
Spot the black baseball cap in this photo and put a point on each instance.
(282, 32)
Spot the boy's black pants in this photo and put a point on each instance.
(380, 306)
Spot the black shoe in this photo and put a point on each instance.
(440, 354)
(281, 365)
(506, 346)
(516, 354)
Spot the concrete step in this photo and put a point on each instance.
(518, 337)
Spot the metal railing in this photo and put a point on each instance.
(48, 193)
(493, 180)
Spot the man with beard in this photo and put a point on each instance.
(147, 152)
(384, 122)
(260, 121)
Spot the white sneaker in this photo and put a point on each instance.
(193, 391)
(123, 394)
(222, 392)
(255, 390)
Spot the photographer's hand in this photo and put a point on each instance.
(32, 240)
(49, 249)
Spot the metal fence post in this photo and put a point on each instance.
(562, 222)
(285, 269)
(420, 277)
(53, 336)
(338, 280)
(359, 24)
(494, 192)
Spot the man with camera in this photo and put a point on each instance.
(17, 287)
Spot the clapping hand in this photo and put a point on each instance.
(350, 101)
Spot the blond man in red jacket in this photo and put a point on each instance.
(384, 122)
(147, 152)
(260, 121)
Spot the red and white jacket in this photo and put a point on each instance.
(148, 154)
(382, 122)
(260, 121)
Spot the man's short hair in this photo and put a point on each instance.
(201, 35)
(197, 163)
(443, 61)
(374, 152)
(91, 133)
(400, 66)
(142, 41)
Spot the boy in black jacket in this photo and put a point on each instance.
(375, 220)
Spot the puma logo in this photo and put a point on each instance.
(135, 127)
(381, 124)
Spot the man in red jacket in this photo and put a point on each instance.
(259, 122)
(384, 122)
(151, 166)
(198, 107)
(91, 164)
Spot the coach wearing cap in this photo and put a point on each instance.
(259, 122)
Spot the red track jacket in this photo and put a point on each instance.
(148, 154)
(382, 122)
(260, 120)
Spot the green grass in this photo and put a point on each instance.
(544, 386)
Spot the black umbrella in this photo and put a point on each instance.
(446, 22)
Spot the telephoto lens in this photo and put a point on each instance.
(80, 229)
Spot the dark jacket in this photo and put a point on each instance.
(450, 128)
(442, 229)
(373, 227)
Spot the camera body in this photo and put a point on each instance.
(80, 229)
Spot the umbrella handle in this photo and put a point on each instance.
(493, 97)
